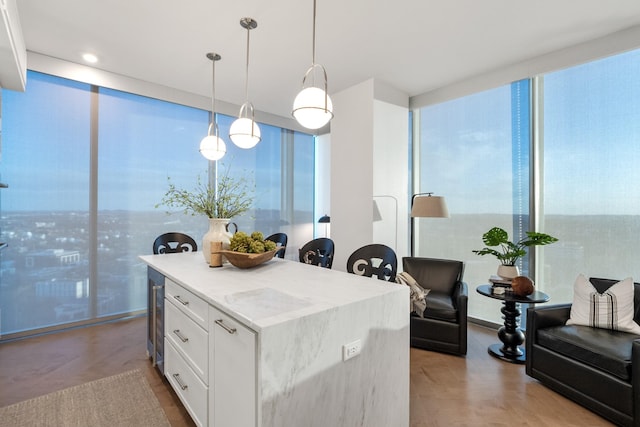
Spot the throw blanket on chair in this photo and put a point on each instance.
(417, 293)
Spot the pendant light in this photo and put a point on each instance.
(212, 147)
(244, 131)
(312, 108)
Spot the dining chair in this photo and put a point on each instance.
(173, 242)
(280, 239)
(318, 252)
(374, 260)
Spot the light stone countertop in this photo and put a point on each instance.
(274, 292)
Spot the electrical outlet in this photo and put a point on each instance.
(351, 350)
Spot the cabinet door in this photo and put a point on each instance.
(187, 385)
(232, 388)
(191, 341)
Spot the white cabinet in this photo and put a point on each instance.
(274, 339)
(192, 392)
(189, 339)
(232, 395)
(186, 340)
(187, 302)
(210, 361)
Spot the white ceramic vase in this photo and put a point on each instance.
(217, 233)
(508, 271)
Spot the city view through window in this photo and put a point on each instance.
(474, 151)
(80, 210)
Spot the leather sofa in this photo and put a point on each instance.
(590, 366)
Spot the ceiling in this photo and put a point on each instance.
(413, 45)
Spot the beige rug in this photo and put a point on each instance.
(121, 400)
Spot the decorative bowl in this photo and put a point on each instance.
(248, 260)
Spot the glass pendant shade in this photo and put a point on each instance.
(313, 108)
(244, 132)
(212, 147)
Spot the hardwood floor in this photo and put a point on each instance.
(41, 365)
(476, 390)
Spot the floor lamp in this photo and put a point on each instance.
(377, 216)
(325, 219)
(426, 205)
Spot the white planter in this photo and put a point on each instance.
(217, 233)
(508, 271)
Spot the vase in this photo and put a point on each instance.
(217, 233)
(508, 271)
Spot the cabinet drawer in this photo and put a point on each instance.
(233, 397)
(189, 339)
(193, 306)
(192, 392)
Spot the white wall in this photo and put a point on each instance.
(351, 171)
(369, 156)
(13, 53)
(391, 176)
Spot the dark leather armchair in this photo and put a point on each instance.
(444, 325)
(171, 243)
(375, 259)
(597, 368)
(280, 239)
(318, 252)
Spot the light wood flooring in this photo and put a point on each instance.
(476, 390)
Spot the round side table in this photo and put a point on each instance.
(510, 334)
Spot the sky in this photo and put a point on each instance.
(46, 154)
(590, 143)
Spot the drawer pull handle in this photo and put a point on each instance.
(225, 327)
(183, 302)
(182, 337)
(179, 381)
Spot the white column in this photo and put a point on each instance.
(369, 157)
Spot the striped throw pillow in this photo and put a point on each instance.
(612, 309)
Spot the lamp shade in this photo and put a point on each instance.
(429, 206)
(244, 132)
(377, 216)
(313, 108)
(212, 147)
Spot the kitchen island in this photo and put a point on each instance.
(284, 344)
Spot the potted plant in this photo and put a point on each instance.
(231, 197)
(507, 252)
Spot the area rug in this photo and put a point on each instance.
(121, 400)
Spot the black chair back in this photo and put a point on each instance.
(172, 243)
(280, 239)
(318, 252)
(440, 275)
(375, 259)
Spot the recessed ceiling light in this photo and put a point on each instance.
(90, 57)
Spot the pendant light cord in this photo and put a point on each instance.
(313, 44)
(246, 82)
(213, 90)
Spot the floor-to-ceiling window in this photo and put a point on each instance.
(281, 166)
(474, 151)
(561, 159)
(45, 221)
(87, 166)
(590, 192)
